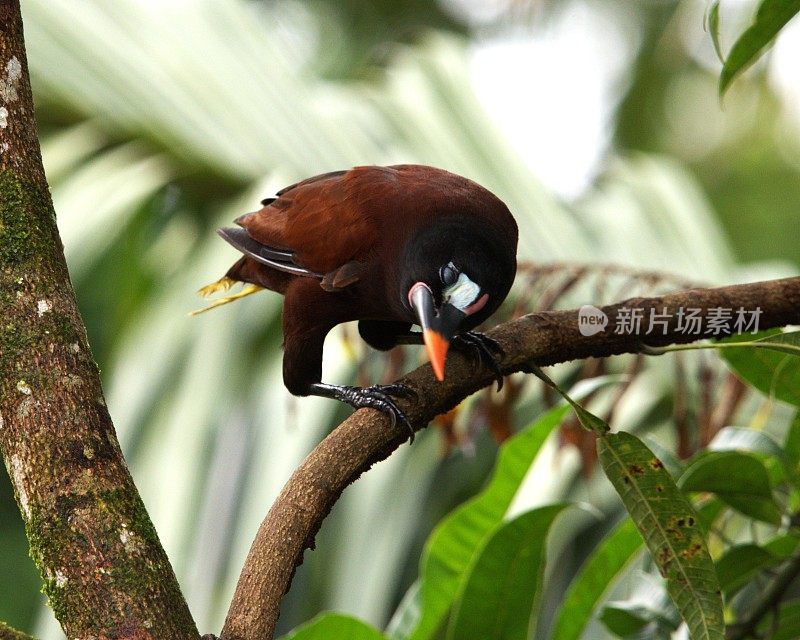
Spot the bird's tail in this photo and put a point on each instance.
(223, 284)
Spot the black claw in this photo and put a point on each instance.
(483, 349)
(377, 397)
(397, 389)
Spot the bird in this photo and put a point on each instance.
(388, 246)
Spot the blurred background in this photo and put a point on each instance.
(598, 122)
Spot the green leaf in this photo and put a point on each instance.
(713, 27)
(335, 626)
(503, 585)
(740, 564)
(624, 619)
(787, 621)
(739, 479)
(767, 368)
(670, 528)
(771, 17)
(709, 510)
(595, 579)
(453, 545)
(407, 614)
(758, 442)
(588, 420)
(782, 546)
(743, 439)
(671, 462)
(791, 445)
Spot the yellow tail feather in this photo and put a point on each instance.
(224, 284)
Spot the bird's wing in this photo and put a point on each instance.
(322, 227)
(275, 258)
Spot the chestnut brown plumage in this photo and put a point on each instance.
(388, 246)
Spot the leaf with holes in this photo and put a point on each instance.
(670, 528)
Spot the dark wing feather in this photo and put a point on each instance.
(318, 178)
(324, 222)
(275, 258)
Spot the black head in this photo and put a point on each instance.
(456, 274)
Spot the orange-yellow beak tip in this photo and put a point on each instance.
(436, 345)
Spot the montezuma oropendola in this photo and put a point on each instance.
(388, 246)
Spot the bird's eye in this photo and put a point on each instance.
(448, 274)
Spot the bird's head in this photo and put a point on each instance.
(457, 276)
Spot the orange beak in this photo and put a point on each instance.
(436, 345)
(438, 326)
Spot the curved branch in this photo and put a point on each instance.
(366, 437)
(105, 572)
(9, 633)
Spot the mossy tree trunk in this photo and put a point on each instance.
(105, 572)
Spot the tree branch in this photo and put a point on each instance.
(366, 437)
(9, 633)
(106, 574)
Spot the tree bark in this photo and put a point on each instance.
(105, 572)
(367, 436)
(7, 633)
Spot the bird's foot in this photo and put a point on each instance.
(482, 348)
(377, 396)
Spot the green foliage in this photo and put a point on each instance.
(671, 529)
(713, 28)
(791, 446)
(788, 617)
(608, 561)
(625, 619)
(771, 17)
(503, 585)
(334, 625)
(588, 420)
(740, 564)
(457, 542)
(741, 439)
(771, 364)
(739, 479)
(362, 30)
